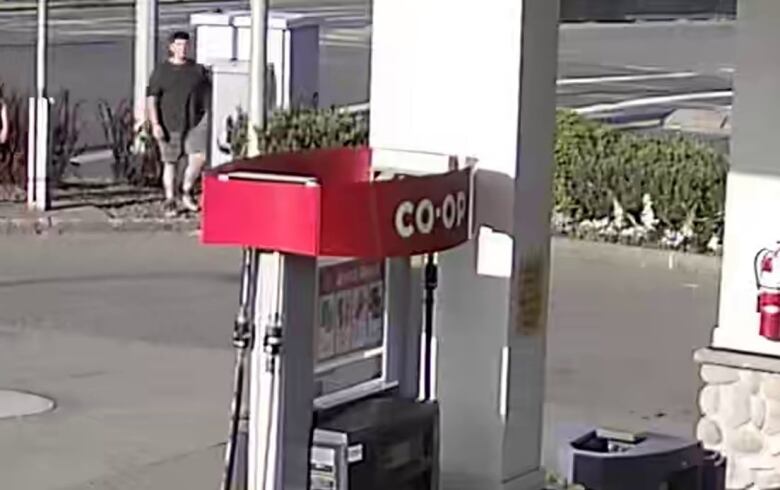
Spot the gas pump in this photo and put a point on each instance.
(331, 312)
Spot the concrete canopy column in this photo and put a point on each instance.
(145, 50)
(478, 79)
(740, 401)
(753, 188)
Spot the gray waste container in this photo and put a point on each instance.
(603, 459)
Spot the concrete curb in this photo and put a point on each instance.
(48, 225)
(586, 250)
(70, 4)
(637, 256)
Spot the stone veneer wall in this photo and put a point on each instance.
(740, 416)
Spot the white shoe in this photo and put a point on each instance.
(189, 203)
(169, 208)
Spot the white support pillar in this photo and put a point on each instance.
(741, 368)
(478, 79)
(257, 72)
(38, 159)
(753, 189)
(145, 53)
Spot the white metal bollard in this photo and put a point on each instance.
(42, 198)
(31, 128)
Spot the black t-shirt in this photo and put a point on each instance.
(182, 93)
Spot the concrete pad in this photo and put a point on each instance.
(127, 411)
(707, 121)
(130, 334)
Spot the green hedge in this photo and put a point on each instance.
(608, 184)
(303, 129)
(679, 181)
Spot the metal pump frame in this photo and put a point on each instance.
(415, 215)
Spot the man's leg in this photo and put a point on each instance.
(170, 151)
(195, 146)
(169, 180)
(195, 164)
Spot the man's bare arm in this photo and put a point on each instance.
(151, 110)
(154, 117)
(4, 121)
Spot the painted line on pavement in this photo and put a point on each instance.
(626, 78)
(94, 156)
(651, 101)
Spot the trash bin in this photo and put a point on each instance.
(714, 471)
(605, 459)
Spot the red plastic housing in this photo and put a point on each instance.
(324, 203)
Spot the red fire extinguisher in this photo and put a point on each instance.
(767, 267)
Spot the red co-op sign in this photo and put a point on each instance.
(333, 208)
(423, 216)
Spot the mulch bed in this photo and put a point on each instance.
(118, 201)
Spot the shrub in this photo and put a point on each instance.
(13, 155)
(66, 131)
(603, 173)
(237, 133)
(301, 129)
(308, 129)
(608, 184)
(65, 142)
(136, 158)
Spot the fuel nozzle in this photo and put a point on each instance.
(431, 273)
(272, 341)
(242, 331)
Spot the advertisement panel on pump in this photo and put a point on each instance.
(351, 307)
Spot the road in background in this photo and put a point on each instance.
(92, 48)
(646, 70)
(622, 72)
(130, 334)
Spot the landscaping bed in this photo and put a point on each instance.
(657, 191)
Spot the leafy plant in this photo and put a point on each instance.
(237, 136)
(66, 135)
(597, 167)
(149, 160)
(308, 129)
(13, 154)
(118, 126)
(300, 129)
(136, 158)
(607, 183)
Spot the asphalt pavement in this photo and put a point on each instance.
(91, 50)
(130, 335)
(621, 72)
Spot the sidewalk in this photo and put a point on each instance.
(15, 219)
(90, 208)
(20, 6)
(130, 415)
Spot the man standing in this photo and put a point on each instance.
(178, 97)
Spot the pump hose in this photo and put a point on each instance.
(431, 283)
(235, 420)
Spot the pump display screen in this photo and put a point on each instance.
(351, 308)
(350, 330)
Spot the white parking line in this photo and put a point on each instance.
(651, 101)
(626, 78)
